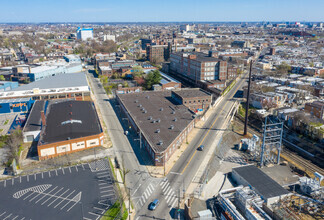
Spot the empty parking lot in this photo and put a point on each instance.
(84, 191)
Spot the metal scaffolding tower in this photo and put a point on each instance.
(272, 139)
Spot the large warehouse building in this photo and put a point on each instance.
(72, 86)
(68, 126)
(161, 122)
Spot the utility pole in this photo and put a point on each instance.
(247, 102)
(129, 203)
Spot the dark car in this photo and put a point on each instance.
(154, 204)
(201, 148)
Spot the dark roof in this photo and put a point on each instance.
(261, 182)
(152, 102)
(191, 93)
(201, 57)
(34, 121)
(69, 120)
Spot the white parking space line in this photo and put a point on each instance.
(103, 187)
(64, 199)
(107, 195)
(49, 173)
(35, 176)
(100, 184)
(52, 196)
(20, 179)
(82, 166)
(8, 216)
(76, 168)
(103, 176)
(72, 206)
(56, 172)
(63, 170)
(2, 214)
(42, 175)
(93, 214)
(106, 191)
(99, 209)
(102, 172)
(27, 178)
(84, 218)
(22, 218)
(28, 196)
(58, 197)
(12, 181)
(15, 217)
(35, 197)
(70, 169)
(5, 183)
(46, 195)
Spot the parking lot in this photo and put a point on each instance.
(83, 191)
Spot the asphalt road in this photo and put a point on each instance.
(171, 188)
(84, 191)
(144, 188)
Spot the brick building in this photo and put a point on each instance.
(158, 52)
(195, 99)
(315, 108)
(68, 126)
(197, 66)
(162, 124)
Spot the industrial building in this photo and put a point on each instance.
(261, 183)
(68, 126)
(73, 86)
(15, 105)
(8, 85)
(33, 125)
(162, 124)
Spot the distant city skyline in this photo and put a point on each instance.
(35, 11)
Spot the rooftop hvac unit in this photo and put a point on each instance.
(157, 131)
(172, 127)
(136, 101)
(158, 121)
(147, 97)
(140, 105)
(145, 111)
(149, 118)
(175, 119)
(161, 109)
(173, 112)
(160, 142)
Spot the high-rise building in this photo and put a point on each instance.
(84, 33)
(109, 37)
(158, 53)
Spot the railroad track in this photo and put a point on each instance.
(308, 165)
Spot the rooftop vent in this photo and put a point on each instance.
(140, 105)
(158, 120)
(161, 109)
(157, 131)
(145, 111)
(147, 97)
(172, 127)
(136, 101)
(161, 142)
(149, 118)
(175, 119)
(173, 112)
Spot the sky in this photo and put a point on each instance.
(159, 11)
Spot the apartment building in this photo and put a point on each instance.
(198, 66)
(158, 52)
(315, 108)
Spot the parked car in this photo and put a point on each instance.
(154, 204)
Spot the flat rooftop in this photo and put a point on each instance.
(69, 119)
(201, 57)
(34, 120)
(147, 108)
(57, 81)
(261, 182)
(191, 93)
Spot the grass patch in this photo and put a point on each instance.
(114, 212)
(228, 88)
(6, 122)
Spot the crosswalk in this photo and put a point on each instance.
(170, 196)
(147, 193)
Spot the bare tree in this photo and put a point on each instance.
(14, 142)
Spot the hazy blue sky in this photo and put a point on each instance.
(163, 10)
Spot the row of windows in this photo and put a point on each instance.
(194, 101)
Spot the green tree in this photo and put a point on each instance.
(14, 142)
(2, 78)
(152, 78)
(283, 68)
